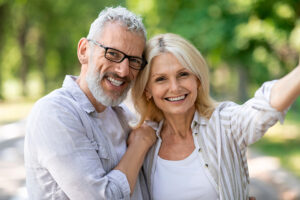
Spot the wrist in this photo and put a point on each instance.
(141, 144)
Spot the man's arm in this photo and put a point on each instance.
(65, 151)
(286, 90)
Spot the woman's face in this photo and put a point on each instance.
(172, 87)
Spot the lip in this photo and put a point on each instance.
(115, 81)
(114, 86)
(176, 99)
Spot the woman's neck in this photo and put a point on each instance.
(178, 125)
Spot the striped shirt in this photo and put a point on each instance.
(223, 140)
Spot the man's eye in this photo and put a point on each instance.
(135, 60)
(113, 54)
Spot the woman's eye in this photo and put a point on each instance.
(182, 74)
(159, 79)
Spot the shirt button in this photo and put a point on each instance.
(206, 165)
(196, 133)
(199, 150)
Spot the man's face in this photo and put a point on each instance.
(109, 81)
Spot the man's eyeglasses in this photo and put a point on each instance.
(117, 56)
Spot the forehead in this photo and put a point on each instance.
(165, 62)
(117, 36)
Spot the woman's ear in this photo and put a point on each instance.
(148, 94)
(198, 83)
(82, 52)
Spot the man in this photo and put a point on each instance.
(75, 143)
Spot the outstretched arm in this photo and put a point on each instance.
(286, 90)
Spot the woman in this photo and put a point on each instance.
(201, 148)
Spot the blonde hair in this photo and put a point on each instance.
(190, 58)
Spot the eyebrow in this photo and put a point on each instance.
(181, 70)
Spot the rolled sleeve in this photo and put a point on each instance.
(120, 180)
(264, 92)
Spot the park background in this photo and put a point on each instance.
(245, 43)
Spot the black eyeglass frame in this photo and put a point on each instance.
(144, 61)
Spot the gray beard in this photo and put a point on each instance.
(93, 81)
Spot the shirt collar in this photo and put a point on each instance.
(198, 120)
(71, 86)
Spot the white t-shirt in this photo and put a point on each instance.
(184, 179)
(115, 134)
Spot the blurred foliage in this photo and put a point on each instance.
(245, 42)
(39, 42)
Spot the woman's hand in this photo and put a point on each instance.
(144, 134)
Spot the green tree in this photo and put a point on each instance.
(40, 37)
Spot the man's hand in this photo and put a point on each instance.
(144, 134)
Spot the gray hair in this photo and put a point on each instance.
(119, 14)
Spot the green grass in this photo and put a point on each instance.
(283, 142)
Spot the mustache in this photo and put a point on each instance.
(114, 75)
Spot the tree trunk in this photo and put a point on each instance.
(25, 59)
(3, 17)
(41, 63)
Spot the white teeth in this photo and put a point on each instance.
(176, 98)
(115, 82)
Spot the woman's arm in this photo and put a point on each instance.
(286, 90)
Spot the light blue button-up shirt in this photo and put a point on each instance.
(67, 153)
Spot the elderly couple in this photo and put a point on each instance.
(79, 144)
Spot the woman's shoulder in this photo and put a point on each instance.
(225, 105)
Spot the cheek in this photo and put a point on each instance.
(157, 91)
(157, 94)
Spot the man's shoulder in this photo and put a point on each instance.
(59, 99)
(129, 114)
(55, 95)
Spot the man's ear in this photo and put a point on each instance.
(82, 52)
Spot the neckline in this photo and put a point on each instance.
(190, 157)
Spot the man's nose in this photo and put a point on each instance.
(123, 68)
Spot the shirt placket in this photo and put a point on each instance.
(203, 156)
